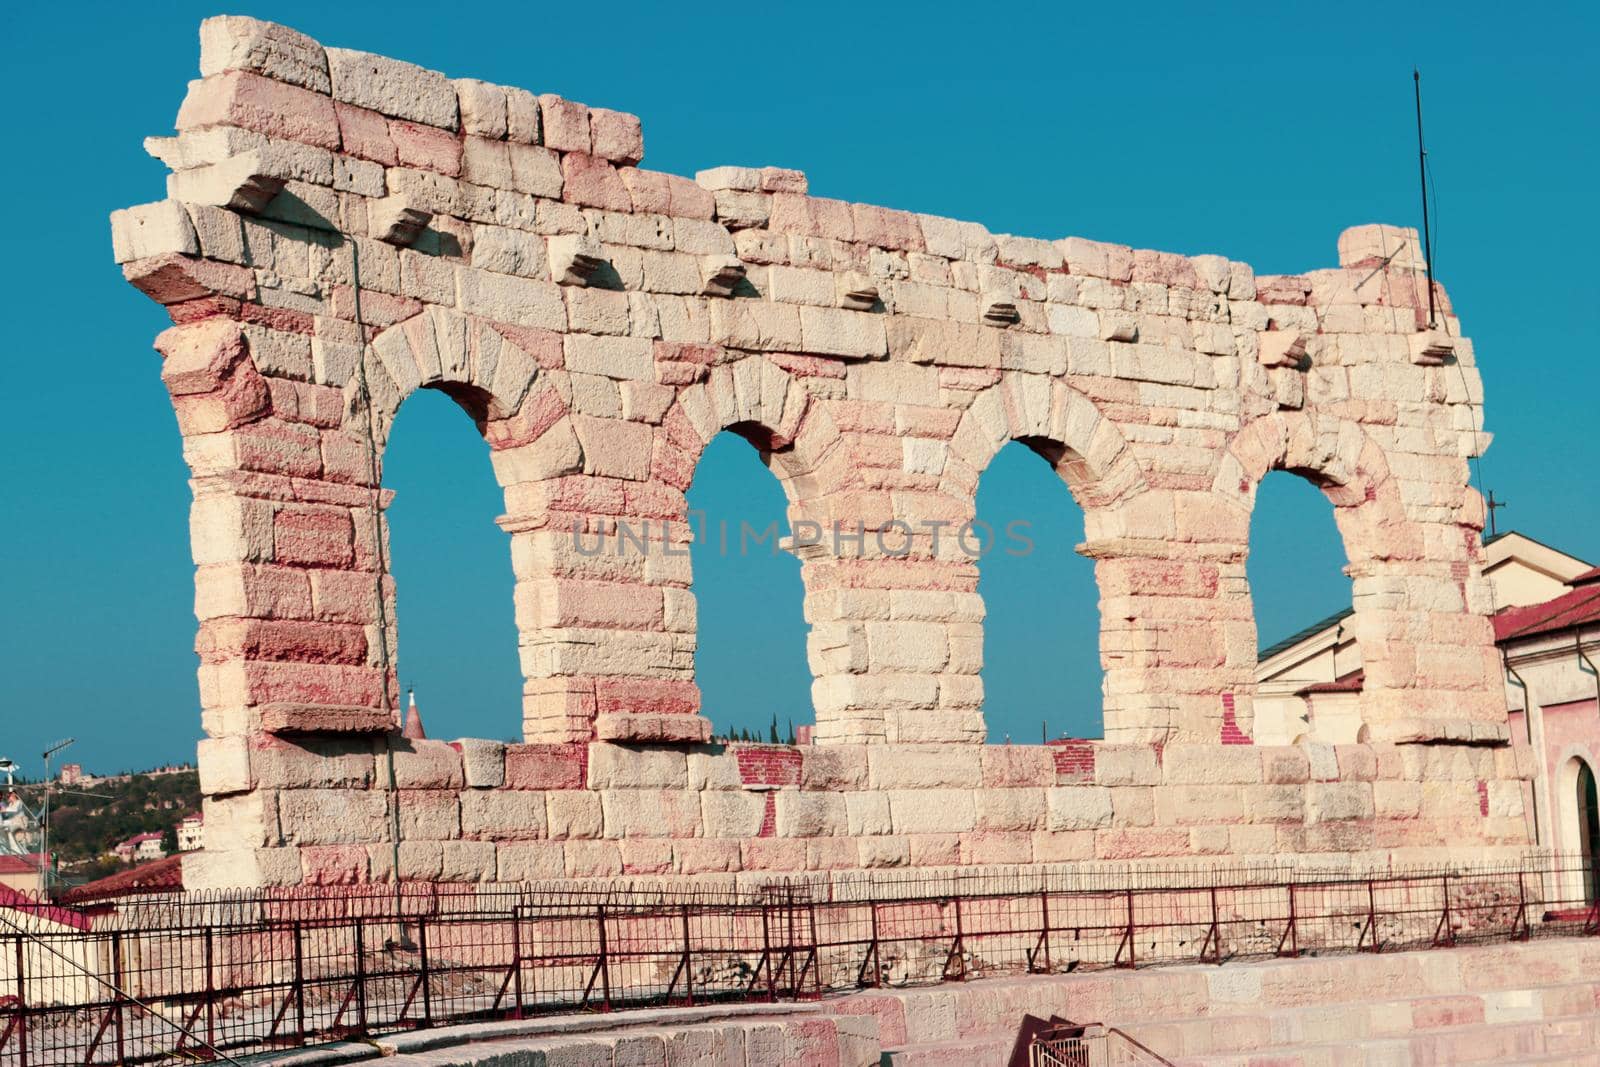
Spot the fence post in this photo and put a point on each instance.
(116, 994)
(211, 990)
(22, 1006)
(427, 994)
(299, 984)
(361, 976)
(516, 961)
(605, 963)
(688, 960)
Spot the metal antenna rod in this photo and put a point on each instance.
(1422, 170)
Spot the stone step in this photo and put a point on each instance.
(964, 1052)
(1565, 1040)
(1363, 1020)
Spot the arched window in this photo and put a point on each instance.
(452, 569)
(750, 659)
(1588, 809)
(1308, 674)
(1041, 636)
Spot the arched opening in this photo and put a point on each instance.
(1041, 636)
(750, 656)
(453, 578)
(1588, 810)
(1309, 669)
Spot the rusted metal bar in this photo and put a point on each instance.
(120, 982)
(22, 1007)
(1369, 929)
(1444, 935)
(1126, 944)
(1291, 935)
(361, 977)
(870, 957)
(299, 983)
(427, 986)
(957, 954)
(1211, 947)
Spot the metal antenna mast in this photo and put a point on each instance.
(1422, 171)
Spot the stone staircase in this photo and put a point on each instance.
(1535, 1003)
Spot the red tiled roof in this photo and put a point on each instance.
(11, 898)
(1588, 577)
(19, 864)
(157, 876)
(1349, 683)
(1581, 607)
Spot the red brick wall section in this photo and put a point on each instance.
(1231, 734)
(769, 765)
(1074, 761)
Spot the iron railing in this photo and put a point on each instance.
(169, 979)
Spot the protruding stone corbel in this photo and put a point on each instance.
(720, 275)
(857, 292)
(574, 257)
(246, 183)
(396, 220)
(1000, 311)
(1281, 348)
(1119, 326)
(1431, 348)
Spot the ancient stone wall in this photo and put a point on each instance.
(342, 229)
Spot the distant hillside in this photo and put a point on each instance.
(84, 828)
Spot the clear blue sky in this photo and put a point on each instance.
(1256, 131)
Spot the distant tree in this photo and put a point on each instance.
(790, 740)
(773, 737)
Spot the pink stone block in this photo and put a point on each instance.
(544, 766)
(566, 124)
(427, 147)
(365, 134)
(239, 98)
(617, 136)
(591, 181)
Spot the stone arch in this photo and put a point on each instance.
(1091, 455)
(465, 357)
(1351, 471)
(761, 402)
(469, 360)
(1062, 425)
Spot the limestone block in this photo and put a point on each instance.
(1126, 765)
(739, 179)
(1211, 764)
(575, 257)
(663, 813)
(1333, 801)
(1281, 348)
(565, 124)
(720, 275)
(573, 814)
(1086, 807)
(482, 107)
(628, 767)
(616, 136)
(810, 814)
(224, 764)
(733, 814)
(935, 811)
(245, 183)
(483, 762)
(425, 764)
(392, 87)
(236, 42)
(397, 219)
(1431, 348)
(1011, 809)
(538, 862)
(834, 767)
(154, 229)
(503, 815)
(328, 817)
(924, 766)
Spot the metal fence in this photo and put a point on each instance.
(206, 976)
